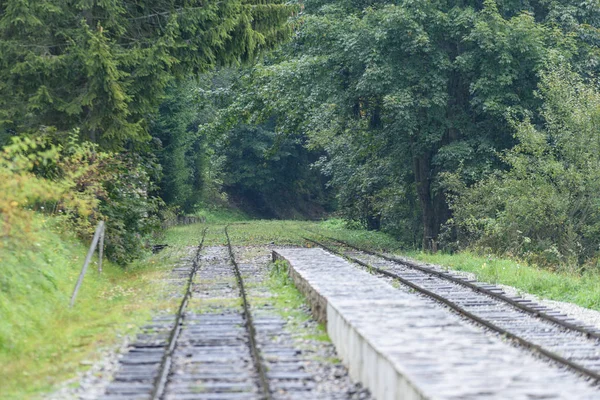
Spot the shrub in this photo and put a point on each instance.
(20, 188)
(131, 212)
(546, 206)
(82, 185)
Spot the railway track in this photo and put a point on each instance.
(256, 356)
(210, 354)
(215, 347)
(165, 365)
(546, 332)
(216, 355)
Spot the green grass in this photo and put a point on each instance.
(221, 215)
(583, 290)
(249, 233)
(287, 301)
(377, 241)
(42, 341)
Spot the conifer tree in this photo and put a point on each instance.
(103, 65)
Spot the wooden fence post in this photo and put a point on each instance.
(88, 258)
(101, 249)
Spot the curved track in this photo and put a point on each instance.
(546, 332)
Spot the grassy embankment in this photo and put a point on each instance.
(42, 341)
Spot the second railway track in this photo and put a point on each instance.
(544, 331)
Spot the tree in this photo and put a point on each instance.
(422, 86)
(544, 207)
(103, 66)
(270, 175)
(180, 149)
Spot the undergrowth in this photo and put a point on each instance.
(288, 301)
(221, 215)
(42, 341)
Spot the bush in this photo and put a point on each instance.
(22, 190)
(131, 212)
(546, 206)
(82, 185)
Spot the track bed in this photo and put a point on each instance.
(230, 340)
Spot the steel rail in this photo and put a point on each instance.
(520, 340)
(160, 381)
(474, 287)
(258, 363)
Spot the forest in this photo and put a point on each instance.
(450, 125)
(463, 133)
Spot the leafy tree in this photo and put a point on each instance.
(208, 156)
(398, 93)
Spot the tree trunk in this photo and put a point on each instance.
(421, 170)
(373, 222)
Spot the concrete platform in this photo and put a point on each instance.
(404, 346)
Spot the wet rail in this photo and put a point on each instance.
(258, 362)
(549, 333)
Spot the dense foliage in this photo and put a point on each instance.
(210, 157)
(447, 123)
(180, 150)
(84, 80)
(270, 176)
(102, 66)
(400, 93)
(545, 206)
